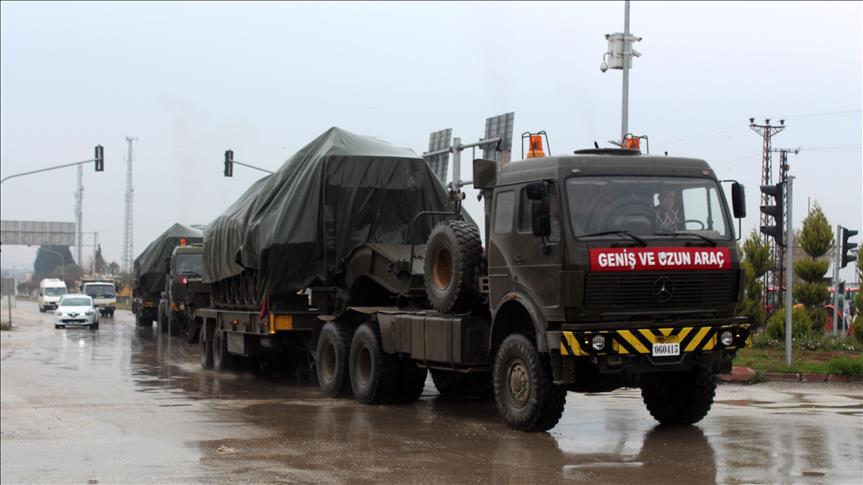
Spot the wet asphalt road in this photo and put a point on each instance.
(126, 405)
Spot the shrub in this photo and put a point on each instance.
(801, 324)
(845, 366)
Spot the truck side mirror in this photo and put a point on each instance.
(738, 200)
(484, 173)
(540, 213)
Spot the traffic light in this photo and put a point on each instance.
(100, 158)
(845, 247)
(229, 163)
(777, 212)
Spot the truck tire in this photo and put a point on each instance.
(175, 325)
(222, 359)
(526, 396)
(679, 399)
(190, 331)
(162, 323)
(411, 381)
(374, 374)
(331, 359)
(452, 266)
(205, 346)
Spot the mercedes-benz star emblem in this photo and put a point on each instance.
(663, 289)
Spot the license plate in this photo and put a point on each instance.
(666, 349)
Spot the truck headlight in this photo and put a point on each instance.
(726, 337)
(598, 342)
(182, 307)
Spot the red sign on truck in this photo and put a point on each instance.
(659, 259)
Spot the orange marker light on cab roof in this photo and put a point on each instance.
(535, 147)
(183, 242)
(632, 144)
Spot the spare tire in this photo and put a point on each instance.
(453, 262)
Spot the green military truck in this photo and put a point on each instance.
(599, 270)
(151, 269)
(184, 292)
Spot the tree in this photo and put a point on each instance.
(816, 239)
(113, 268)
(100, 263)
(756, 262)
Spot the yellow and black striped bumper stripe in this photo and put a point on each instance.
(640, 341)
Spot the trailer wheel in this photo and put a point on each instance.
(222, 359)
(411, 382)
(679, 399)
(452, 266)
(331, 359)
(526, 396)
(206, 348)
(374, 374)
(190, 332)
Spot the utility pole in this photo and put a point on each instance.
(779, 255)
(128, 245)
(79, 216)
(619, 56)
(767, 131)
(789, 199)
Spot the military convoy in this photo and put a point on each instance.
(598, 270)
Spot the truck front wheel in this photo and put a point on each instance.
(526, 396)
(679, 399)
(331, 359)
(374, 373)
(206, 348)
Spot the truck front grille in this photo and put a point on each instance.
(682, 290)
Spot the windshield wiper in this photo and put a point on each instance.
(638, 240)
(684, 233)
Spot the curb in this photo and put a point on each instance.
(746, 375)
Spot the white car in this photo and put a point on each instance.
(76, 309)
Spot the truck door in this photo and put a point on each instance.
(520, 261)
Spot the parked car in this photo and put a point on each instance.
(76, 309)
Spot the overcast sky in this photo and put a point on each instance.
(192, 79)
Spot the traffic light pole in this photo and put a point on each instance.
(837, 255)
(789, 257)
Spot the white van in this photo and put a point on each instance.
(50, 292)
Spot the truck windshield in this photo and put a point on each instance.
(190, 264)
(55, 291)
(647, 206)
(99, 290)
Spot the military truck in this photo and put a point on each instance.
(151, 268)
(184, 292)
(599, 270)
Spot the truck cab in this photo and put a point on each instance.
(184, 292)
(626, 265)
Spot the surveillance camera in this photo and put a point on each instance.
(603, 67)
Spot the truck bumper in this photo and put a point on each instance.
(625, 351)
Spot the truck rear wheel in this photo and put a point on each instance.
(221, 357)
(452, 266)
(206, 348)
(411, 382)
(526, 396)
(374, 374)
(331, 359)
(190, 330)
(679, 399)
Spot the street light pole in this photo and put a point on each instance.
(627, 60)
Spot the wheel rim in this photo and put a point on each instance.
(442, 268)
(364, 366)
(328, 362)
(518, 383)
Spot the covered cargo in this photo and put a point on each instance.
(150, 265)
(295, 228)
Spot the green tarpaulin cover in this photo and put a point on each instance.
(150, 264)
(297, 226)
